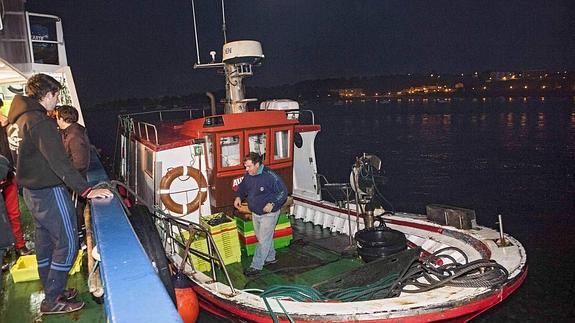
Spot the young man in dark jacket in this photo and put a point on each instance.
(44, 171)
(266, 193)
(77, 146)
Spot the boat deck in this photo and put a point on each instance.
(314, 256)
(20, 302)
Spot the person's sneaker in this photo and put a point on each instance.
(251, 272)
(270, 262)
(70, 293)
(61, 306)
(24, 251)
(5, 267)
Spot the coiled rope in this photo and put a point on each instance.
(420, 276)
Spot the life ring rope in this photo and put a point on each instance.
(165, 191)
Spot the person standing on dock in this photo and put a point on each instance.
(266, 193)
(44, 171)
(77, 146)
(10, 190)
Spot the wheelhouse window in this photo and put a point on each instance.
(149, 162)
(43, 33)
(257, 143)
(281, 144)
(230, 151)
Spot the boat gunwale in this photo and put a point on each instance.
(250, 303)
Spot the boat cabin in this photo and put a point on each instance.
(192, 168)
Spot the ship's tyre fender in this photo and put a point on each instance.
(168, 179)
(143, 225)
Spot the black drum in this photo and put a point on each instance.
(380, 242)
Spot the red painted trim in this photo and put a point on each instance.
(230, 173)
(171, 145)
(251, 239)
(462, 313)
(307, 128)
(239, 121)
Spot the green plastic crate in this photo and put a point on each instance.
(248, 225)
(279, 243)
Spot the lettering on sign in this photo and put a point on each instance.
(236, 182)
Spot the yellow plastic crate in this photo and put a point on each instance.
(200, 244)
(26, 268)
(227, 243)
(220, 228)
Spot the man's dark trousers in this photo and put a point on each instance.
(56, 236)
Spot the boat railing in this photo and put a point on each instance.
(148, 127)
(161, 115)
(139, 123)
(304, 116)
(213, 255)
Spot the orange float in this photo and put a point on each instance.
(186, 299)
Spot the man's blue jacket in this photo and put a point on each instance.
(263, 188)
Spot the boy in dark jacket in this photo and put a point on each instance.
(77, 146)
(44, 171)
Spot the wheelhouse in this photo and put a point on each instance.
(210, 148)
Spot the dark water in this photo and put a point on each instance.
(514, 158)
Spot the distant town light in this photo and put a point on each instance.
(510, 86)
(525, 87)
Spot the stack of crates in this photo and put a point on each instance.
(225, 236)
(283, 234)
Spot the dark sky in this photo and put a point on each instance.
(146, 48)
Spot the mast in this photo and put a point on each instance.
(238, 59)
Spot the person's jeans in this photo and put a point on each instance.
(264, 227)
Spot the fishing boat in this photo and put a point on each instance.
(335, 240)
(344, 254)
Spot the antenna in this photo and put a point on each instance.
(224, 22)
(196, 32)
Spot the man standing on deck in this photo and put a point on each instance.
(266, 193)
(44, 171)
(77, 146)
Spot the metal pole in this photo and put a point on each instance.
(348, 215)
(224, 22)
(196, 32)
(502, 242)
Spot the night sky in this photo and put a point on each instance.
(122, 49)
